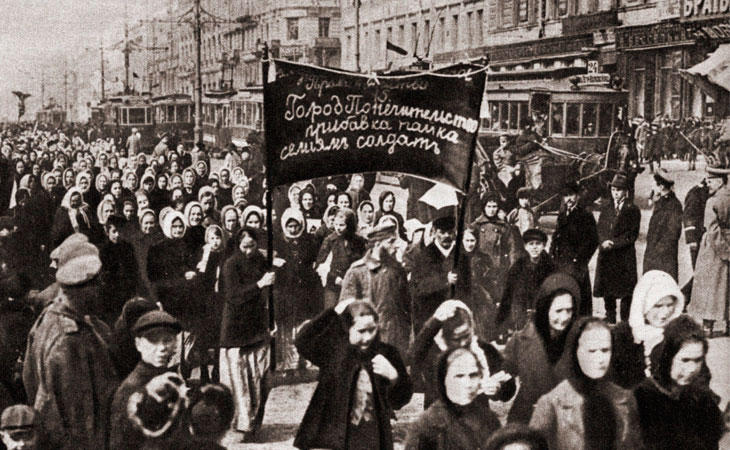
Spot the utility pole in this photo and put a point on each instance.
(101, 50)
(43, 89)
(198, 128)
(65, 87)
(357, 35)
(126, 51)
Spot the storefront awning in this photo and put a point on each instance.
(713, 74)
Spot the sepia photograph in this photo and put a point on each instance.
(365, 224)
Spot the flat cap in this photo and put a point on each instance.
(534, 234)
(18, 417)
(155, 319)
(81, 264)
(382, 231)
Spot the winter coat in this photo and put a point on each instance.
(628, 363)
(559, 414)
(345, 251)
(523, 281)
(693, 217)
(69, 377)
(424, 357)
(118, 278)
(124, 434)
(662, 238)
(385, 283)
(502, 243)
(62, 227)
(616, 267)
(324, 342)
(456, 428)
(689, 419)
(167, 263)
(525, 356)
(475, 292)
(297, 290)
(142, 243)
(573, 244)
(710, 288)
(245, 318)
(211, 300)
(429, 286)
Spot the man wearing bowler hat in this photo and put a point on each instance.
(618, 229)
(68, 372)
(665, 228)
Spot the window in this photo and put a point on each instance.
(589, 119)
(605, 115)
(442, 34)
(671, 84)
(455, 32)
(494, 115)
(414, 37)
(638, 88)
(479, 27)
(503, 116)
(469, 36)
(522, 11)
(426, 37)
(292, 27)
(376, 46)
(137, 115)
(324, 27)
(523, 115)
(560, 8)
(572, 119)
(401, 34)
(183, 113)
(507, 13)
(170, 113)
(513, 115)
(556, 118)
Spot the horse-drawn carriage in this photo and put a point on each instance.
(558, 131)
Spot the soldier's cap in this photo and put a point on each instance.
(70, 242)
(155, 319)
(18, 417)
(445, 223)
(382, 231)
(534, 234)
(661, 176)
(80, 264)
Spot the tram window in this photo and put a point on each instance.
(605, 117)
(171, 113)
(183, 113)
(494, 116)
(135, 115)
(125, 116)
(556, 115)
(513, 115)
(589, 119)
(523, 115)
(239, 115)
(572, 119)
(503, 116)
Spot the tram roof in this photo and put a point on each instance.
(549, 85)
(174, 98)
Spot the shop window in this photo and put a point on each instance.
(671, 84)
(572, 119)
(638, 90)
(556, 118)
(589, 119)
(604, 119)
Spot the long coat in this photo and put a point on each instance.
(503, 244)
(710, 289)
(385, 283)
(558, 414)
(573, 244)
(616, 267)
(523, 282)
(70, 378)
(118, 277)
(167, 263)
(662, 238)
(324, 342)
(525, 356)
(693, 216)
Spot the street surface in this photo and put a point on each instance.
(286, 405)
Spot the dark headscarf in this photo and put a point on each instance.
(677, 332)
(554, 285)
(599, 417)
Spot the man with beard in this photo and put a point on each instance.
(379, 277)
(432, 272)
(68, 372)
(574, 242)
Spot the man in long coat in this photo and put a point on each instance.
(379, 277)
(618, 229)
(574, 242)
(693, 217)
(68, 371)
(665, 228)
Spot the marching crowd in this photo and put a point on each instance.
(137, 297)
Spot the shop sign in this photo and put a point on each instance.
(717, 31)
(650, 36)
(593, 79)
(592, 66)
(543, 47)
(704, 8)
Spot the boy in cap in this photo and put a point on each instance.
(67, 359)
(19, 428)
(379, 277)
(155, 337)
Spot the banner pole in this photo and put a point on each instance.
(269, 209)
(461, 211)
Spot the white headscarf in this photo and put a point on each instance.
(167, 223)
(292, 214)
(653, 286)
(66, 203)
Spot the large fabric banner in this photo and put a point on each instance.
(321, 122)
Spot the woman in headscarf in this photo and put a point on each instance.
(176, 181)
(676, 410)
(297, 290)
(586, 411)
(365, 217)
(131, 182)
(460, 417)
(340, 249)
(386, 201)
(473, 291)
(533, 352)
(343, 200)
(143, 201)
(104, 210)
(131, 222)
(147, 236)
(224, 194)
(148, 183)
(450, 327)
(207, 199)
(361, 380)
(201, 169)
(308, 203)
(195, 234)
(69, 178)
(356, 189)
(83, 182)
(657, 299)
(116, 189)
(240, 192)
(159, 195)
(53, 189)
(101, 184)
(73, 216)
(327, 226)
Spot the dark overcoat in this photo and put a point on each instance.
(503, 244)
(324, 342)
(616, 267)
(662, 238)
(167, 263)
(523, 281)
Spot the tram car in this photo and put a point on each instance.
(51, 115)
(122, 113)
(173, 117)
(96, 116)
(581, 112)
(230, 116)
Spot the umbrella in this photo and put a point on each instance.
(440, 196)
